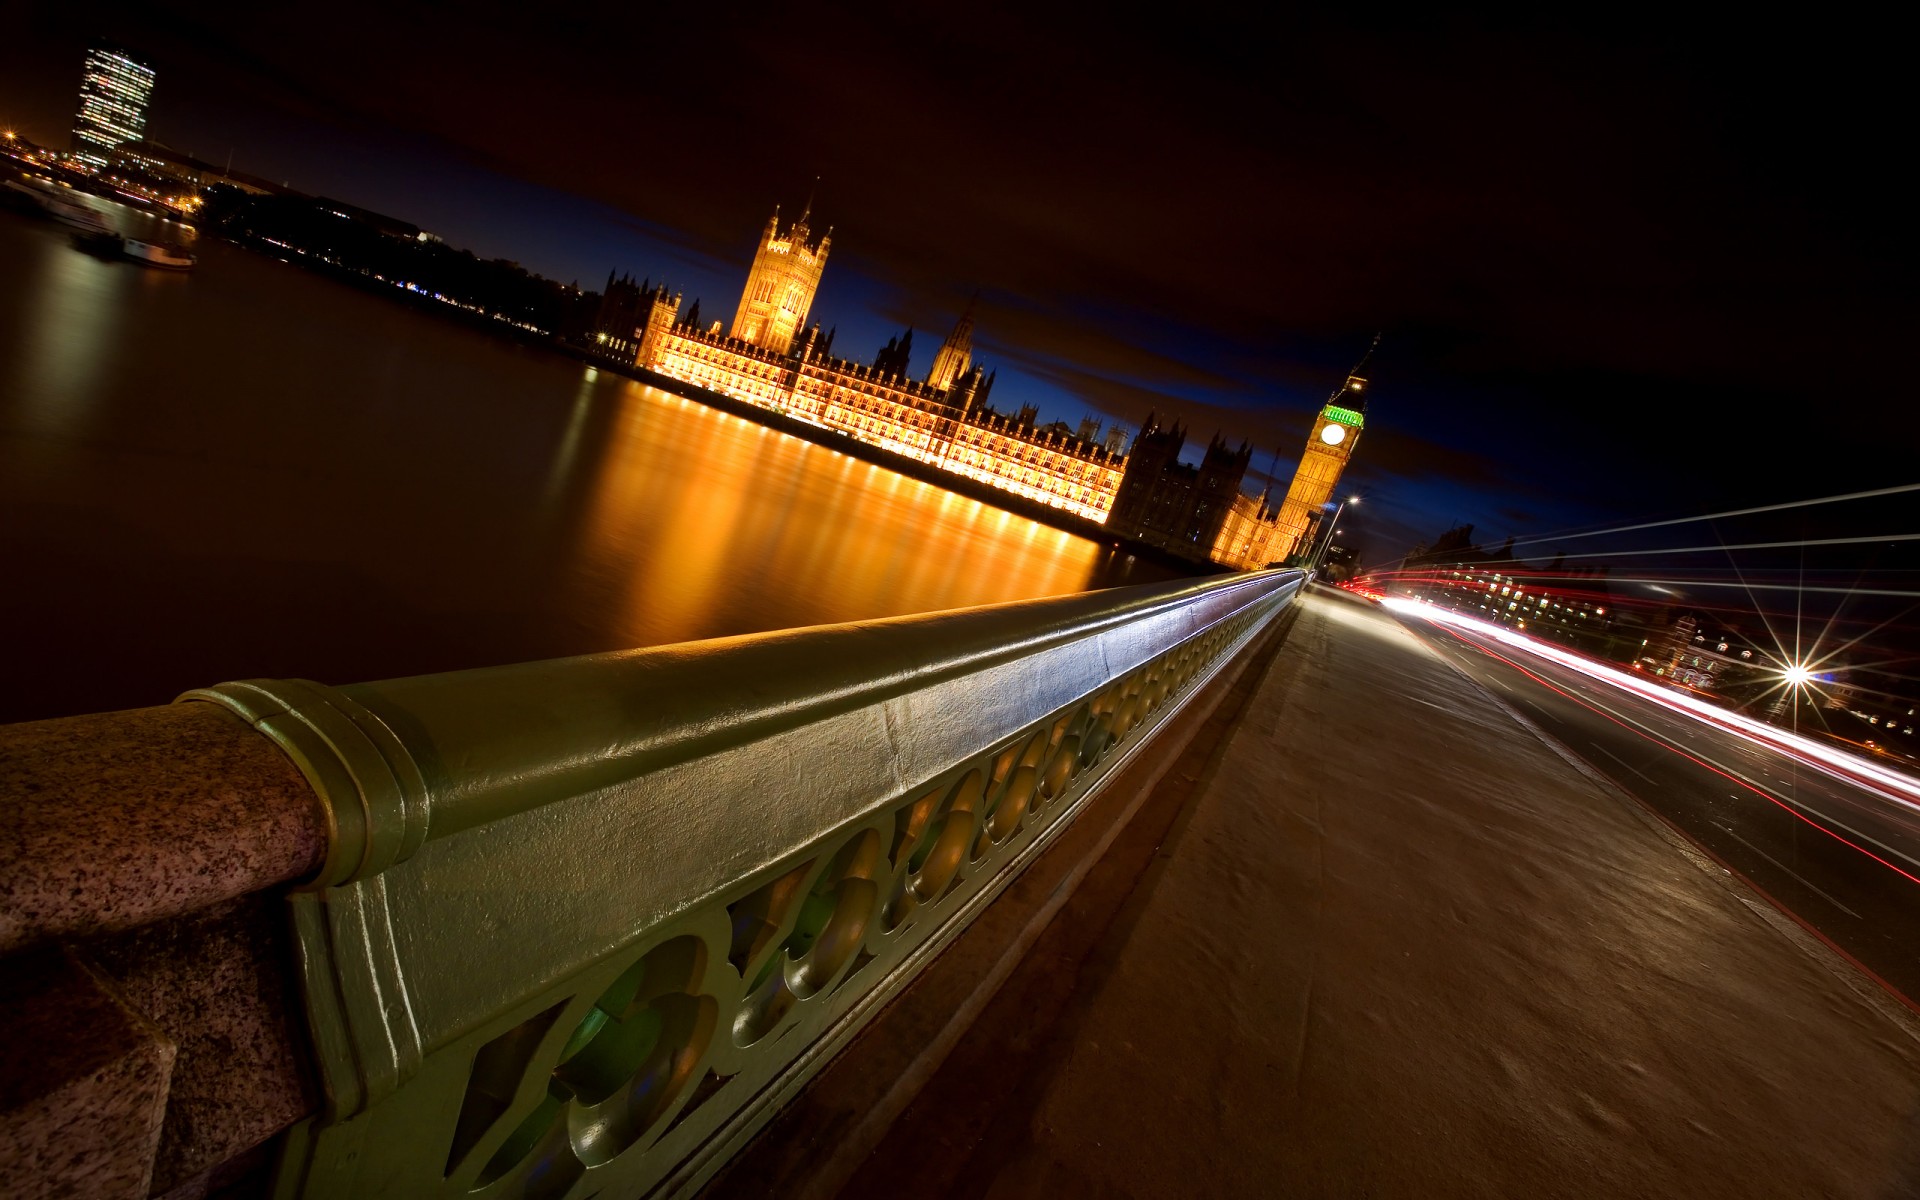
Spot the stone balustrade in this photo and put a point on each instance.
(568, 928)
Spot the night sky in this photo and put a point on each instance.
(1625, 271)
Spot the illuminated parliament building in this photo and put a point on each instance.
(770, 356)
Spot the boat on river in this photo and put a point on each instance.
(169, 256)
(102, 243)
(67, 209)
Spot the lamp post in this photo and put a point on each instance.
(1326, 543)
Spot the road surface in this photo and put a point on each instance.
(1839, 859)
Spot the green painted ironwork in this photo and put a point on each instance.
(588, 923)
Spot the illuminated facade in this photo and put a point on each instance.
(1250, 537)
(1567, 606)
(780, 286)
(949, 427)
(1336, 431)
(772, 358)
(956, 355)
(114, 90)
(1571, 605)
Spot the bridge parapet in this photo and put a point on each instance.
(583, 925)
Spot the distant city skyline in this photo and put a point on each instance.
(1579, 240)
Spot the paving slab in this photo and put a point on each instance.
(1395, 945)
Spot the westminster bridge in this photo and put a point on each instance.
(1229, 887)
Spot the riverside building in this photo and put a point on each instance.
(771, 357)
(114, 90)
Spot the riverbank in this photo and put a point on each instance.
(912, 468)
(832, 439)
(838, 441)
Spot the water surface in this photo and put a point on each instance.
(251, 470)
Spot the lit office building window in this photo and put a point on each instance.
(114, 89)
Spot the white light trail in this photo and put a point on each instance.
(1716, 548)
(1732, 512)
(1764, 587)
(1888, 785)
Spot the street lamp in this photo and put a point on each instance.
(1326, 543)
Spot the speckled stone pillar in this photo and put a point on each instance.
(83, 1084)
(147, 1014)
(118, 820)
(219, 983)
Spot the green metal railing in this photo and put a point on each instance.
(585, 924)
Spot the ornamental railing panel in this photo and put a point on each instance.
(584, 925)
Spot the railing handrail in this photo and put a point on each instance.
(82, 895)
(750, 842)
(493, 741)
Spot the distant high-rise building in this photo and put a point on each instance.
(114, 90)
(780, 285)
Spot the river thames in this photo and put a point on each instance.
(250, 470)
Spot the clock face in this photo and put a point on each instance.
(1333, 435)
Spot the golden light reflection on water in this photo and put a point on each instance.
(691, 511)
(413, 495)
(71, 326)
(567, 456)
(54, 362)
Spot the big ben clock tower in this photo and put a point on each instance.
(1336, 431)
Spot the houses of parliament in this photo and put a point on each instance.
(770, 356)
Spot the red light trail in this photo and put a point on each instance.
(1882, 783)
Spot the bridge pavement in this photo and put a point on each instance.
(1374, 937)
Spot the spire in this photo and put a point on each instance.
(892, 358)
(1360, 368)
(808, 210)
(956, 353)
(799, 231)
(1353, 393)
